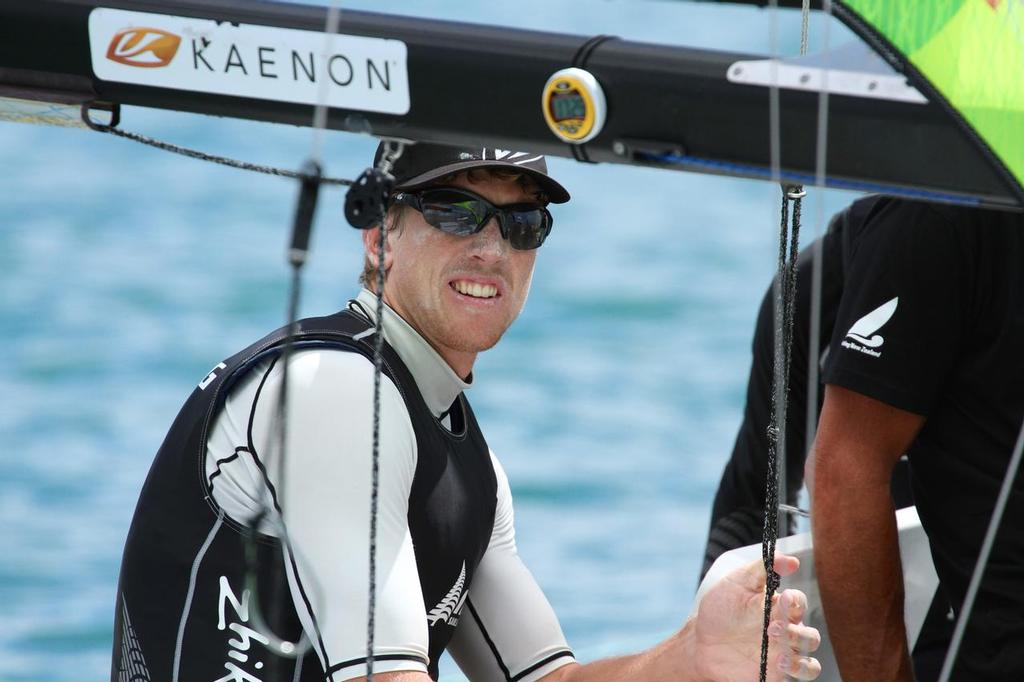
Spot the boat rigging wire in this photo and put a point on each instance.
(817, 251)
(986, 550)
(784, 309)
(392, 152)
(785, 306)
(112, 129)
(311, 178)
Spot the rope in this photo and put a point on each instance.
(805, 20)
(785, 293)
(204, 156)
(392, 152)
(784, 317)
(817, 265)
(378, 355)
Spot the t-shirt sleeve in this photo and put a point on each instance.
(326, 504)
(507, 630)
(904, 306)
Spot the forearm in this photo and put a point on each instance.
(856, 552)
(673, 659)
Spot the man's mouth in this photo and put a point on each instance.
(474, 289)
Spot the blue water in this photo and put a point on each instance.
(126, 273)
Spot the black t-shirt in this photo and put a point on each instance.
(931, 321)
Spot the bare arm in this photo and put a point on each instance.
(723, 641)
(856, 551)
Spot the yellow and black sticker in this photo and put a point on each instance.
(574, 105)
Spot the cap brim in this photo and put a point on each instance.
(554, 191)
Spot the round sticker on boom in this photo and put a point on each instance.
(574, 105)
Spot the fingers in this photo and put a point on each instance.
(790, 606)
(800, 667)
(787, 629)
(800, 639)
(752, 575)
(785, 564)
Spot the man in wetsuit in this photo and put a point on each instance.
(920, 347)
(249, 561)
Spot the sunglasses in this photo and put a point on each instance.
(461, 213)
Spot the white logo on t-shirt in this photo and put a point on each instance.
(863, 331)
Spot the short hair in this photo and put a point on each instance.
(394, 218)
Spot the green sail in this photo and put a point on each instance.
(972, 52)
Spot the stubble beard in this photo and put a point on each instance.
(467, 340)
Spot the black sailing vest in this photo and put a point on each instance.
(184, 607)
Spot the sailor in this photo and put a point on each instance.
(921, 333)
(246, 561)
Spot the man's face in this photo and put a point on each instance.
(459, 293)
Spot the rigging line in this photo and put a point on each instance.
(200, 155)
(986, 550)
(769, 529)
(392, 152)
(805, 20)
(783, 480)
(320, 112)
(785, 304)
(774, 129)
(378, 356)
(784, 319)
(785, 288)
(817, 266)
(311, 178)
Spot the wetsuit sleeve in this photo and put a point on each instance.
(326, 506)
(507, 630)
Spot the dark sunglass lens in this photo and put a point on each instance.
(527, 229)
(453, 212)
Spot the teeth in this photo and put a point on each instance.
(475, 290)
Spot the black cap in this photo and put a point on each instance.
(423, 163)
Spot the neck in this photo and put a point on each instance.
(461, 362)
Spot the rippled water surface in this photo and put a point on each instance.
(126, 273)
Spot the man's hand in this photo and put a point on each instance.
(727, 629)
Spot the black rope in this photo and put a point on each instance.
(378, 356)
(202, 156)
(391, 154)
(297, 254)
(785, 306)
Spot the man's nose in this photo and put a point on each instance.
(488, 244)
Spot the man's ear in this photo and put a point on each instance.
(370, 238)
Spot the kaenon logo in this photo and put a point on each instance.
(863, 331)
(144, 47)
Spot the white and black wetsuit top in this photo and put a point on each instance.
(448, 573)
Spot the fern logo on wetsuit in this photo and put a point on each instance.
(448, 609)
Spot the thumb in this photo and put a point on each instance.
(786, 565)
(752, 576)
